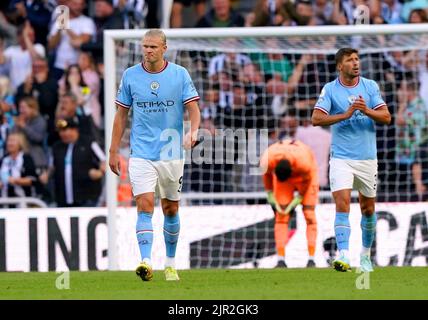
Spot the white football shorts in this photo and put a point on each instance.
(165, 178)
(360, 175)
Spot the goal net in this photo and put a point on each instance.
(260, 84)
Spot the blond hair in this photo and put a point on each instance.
(4, 86)
(156, 33)
(22, 141)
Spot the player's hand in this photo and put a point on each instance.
(271, 199)
(348, 113)
(360, 104)
(114, 163)
(190, 139)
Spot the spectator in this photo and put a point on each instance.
(33, 126)
(268, 13)
(258, 111)
(4, 124)
(323, 12)
(36, 12)
(411, 121)
(41, 85)
(208, 104)
(318, 70)
(398, 64)
(139, 14)
(305, 12)
(100, 71)
(67, 42)
(412, 130)
(78, 166)
(17, 169)
(224, 69)
(272, 63)
(105, 17)
(22, 55)
(282, 90)
(288, 125)
(225, 98)
(7, 29)
(418, 16)
(318, 139)
(73, 82)
(199, 7)
(227, 62)
(4, 63)
(390, 11)
(344, 11)
(423, 74)
(7, 103)
(420, 171)
(92, 79)
(68, 107)
(339, 16)
(221, 15)
(410, 5)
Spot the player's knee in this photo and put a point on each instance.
(311, 221)
(342, 205)
(280, 218)
(144, 204)
(367, 209)
(309, 212)
(170, 208)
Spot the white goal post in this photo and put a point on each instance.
(111, 75)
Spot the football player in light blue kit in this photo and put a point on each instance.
(158, 91)
(352, 104)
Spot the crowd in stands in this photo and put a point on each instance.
(52, 105)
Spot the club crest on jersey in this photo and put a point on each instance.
(154, 86)
(352, 99)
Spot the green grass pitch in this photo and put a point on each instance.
(222, 284)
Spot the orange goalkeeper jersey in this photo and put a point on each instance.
(300, 156)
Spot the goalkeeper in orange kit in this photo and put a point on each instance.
(290, 166)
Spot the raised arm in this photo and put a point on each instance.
(53, 40)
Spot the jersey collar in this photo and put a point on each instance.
(344, 85)
(163, 68)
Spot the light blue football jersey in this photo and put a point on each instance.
(157, 100)
(354, 138)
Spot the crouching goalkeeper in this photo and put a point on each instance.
(290, 166)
